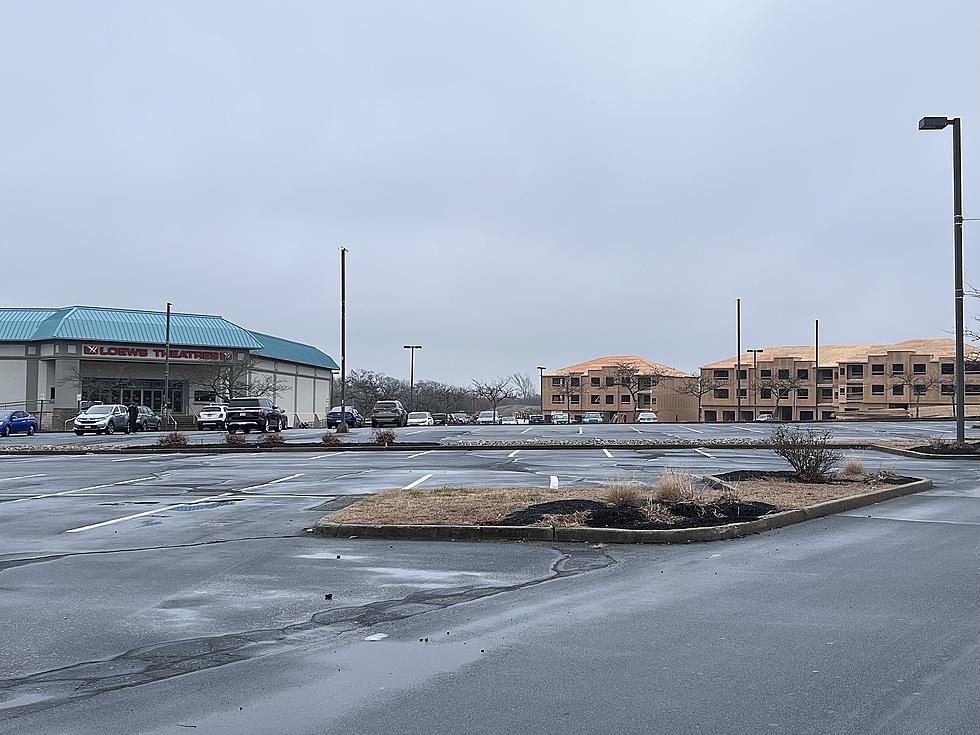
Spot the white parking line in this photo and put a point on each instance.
(554, 482)
(746, 428)
(419, 481)
(146, 513)
(696, 431)
(418, 454)
(144, 456)
(21, 477)
(526, 430)
(82, 489)
(636, 430)
(409, 433)
(580, 430)
(607, 453)
(271, 482)
(513, 454)
(701, 451)
(324, 456)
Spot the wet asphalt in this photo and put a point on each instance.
(177, 593)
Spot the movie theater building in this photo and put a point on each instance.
(52, 359)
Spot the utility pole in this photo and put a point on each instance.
(816, 369)
(738, 360)
(166, 372)
(541, 369)
(342, 427)
(411, 377)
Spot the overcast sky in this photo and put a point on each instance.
(518, 183)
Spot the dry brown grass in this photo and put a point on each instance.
(792, 495)
(854, 467)
(673, 486)
(624, 494)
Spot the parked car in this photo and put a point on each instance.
(388, 413)
(535, 418)
(461, 417)
(488, 417)
(592, 417)
(252, 413)
(352, 416)
(420, 418)
(440, 419)
(213, 416)
(509, 420)
(764, 417)
(559, 417)
(147, 420)
(17, 422)
(102, 418)
(646, 417)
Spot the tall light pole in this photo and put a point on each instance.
(166, 371)
(541, 369)
(411, 377)
(755, 373)
(738, 360)
(938, 123)
(342, 427)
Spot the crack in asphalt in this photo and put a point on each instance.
(161, 661)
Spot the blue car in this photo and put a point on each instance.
(353, 418)
(17, 422)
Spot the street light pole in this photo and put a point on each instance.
(738, 360)
(342, 427)
(541, 369)
(166, 372)
(755, 373)
(411, 377)
(938, 123)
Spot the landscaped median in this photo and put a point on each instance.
(678, 509)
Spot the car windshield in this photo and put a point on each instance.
(212, 408)
(244, 402)
(336, 409)
(385, 404)
(99, 410)
(417, 415)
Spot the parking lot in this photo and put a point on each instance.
(135, 585)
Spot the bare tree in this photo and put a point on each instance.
(777, 388)
(367, 387)
(494, 391)
(233, 378)
(698, 387)
(524, 388)
(636, 380)
(918, 384)
(568, 387)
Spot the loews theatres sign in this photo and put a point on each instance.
(156, 353)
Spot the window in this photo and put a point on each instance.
(555, 398)
(204, 396)
(784, 392)
(610, 381)
(825, 375)
(972, 390)
(765, 394)
(625, 398)
(743, 392)
(52, 393)
(898, 390)
(576, 382)
(573, 399)
(766, 373)
(783, 374)
(710, 416)
(877, 390)
(826, 392)
(971, 366)
(878, 368)
(919, 368)
(947, 368)
(594, 400)
(842, 371)
(721, 375)
(898, 368)
(556, 382)
(802, 393)
(721, 392)
(803, 374)
(743, 374)
(947, 389)
(644, 381)
(646, 399)
(806, 415)
(857, 371)
(609, 400)
(919, 390)
(728, 416)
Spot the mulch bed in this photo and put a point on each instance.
(790, 476)
(947, 449)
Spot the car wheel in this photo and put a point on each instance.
(200, 427)
(374, 424)
(5, 431)
(247, 429)
(31, 431)
(110, 428)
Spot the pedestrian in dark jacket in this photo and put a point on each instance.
(133, 413)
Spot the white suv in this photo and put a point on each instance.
(215, 416)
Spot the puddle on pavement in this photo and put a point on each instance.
(329, 555)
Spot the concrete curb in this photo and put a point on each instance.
(615, 535)
(923, 455)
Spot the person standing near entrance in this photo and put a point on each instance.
(133, 413)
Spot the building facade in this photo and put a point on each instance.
(905, 379)
(618, 387)
(51, 360)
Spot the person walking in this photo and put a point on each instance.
(133, 413)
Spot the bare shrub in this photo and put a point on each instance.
(673, 487)
(854, 467)
(730, 493)
(384, 437)
(173, 439)
(274, 438)
(235, 440)
(937, 442)
(331, 439)
(624, 494)
(808, 452)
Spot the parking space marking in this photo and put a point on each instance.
(580, 430)
(271, 482)
(419, 454)
(636, 430)
(746, 428)
(409, 433)
(513, 454)
(143, 456)
(21, 477)
(554, 482)
(607, 453)
(526, 430)
(83, 489)
(418, 482)
(146, 513)
(696, 431)
(322, 456)
(701, 451)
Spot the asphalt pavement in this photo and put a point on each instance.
(168, 593)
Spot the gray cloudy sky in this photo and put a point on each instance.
(518, 183)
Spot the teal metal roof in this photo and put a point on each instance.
(122, 325)
(277, 348)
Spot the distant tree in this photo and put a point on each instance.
(697, 386)
(367, 387)
(636, 380)
(569, 386)
(236, 378)
(777, 389)
(494, 390)
(524, 389)
(918, 385)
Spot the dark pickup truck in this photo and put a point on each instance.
(253, 413)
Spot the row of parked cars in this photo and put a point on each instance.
(393, 413)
